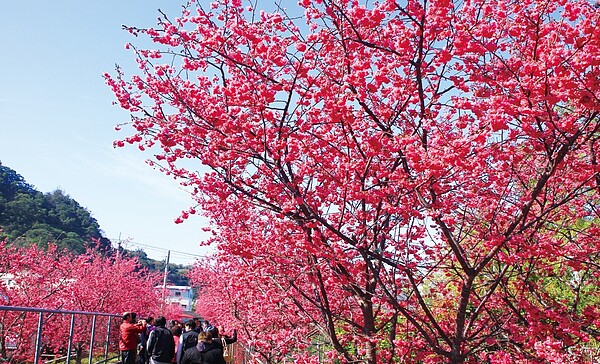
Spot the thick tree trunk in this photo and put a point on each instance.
(456, 358)
(371, 357)
(369, 327)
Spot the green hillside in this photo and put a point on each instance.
(30, 217)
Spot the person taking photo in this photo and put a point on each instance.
(129, 330)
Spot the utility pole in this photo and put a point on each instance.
(119, 247)
(165, 277)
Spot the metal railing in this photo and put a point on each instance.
(92, 343)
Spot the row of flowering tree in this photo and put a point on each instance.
(58, 280)
(413, 180)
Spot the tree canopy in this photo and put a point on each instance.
(414, 181)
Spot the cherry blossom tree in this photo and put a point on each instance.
(29, 280)
(418, 180)
(272, 324)
(111, 285)
(58, 280)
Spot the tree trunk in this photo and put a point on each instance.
(3, 347)
(370, 355)
(78, 353)
(369, 327)
(456, 358)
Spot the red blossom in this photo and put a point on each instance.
(413, 181)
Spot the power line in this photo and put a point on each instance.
(172, 251)
(163, 249)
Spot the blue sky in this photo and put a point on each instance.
(57, 119)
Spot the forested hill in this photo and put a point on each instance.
(30, 217)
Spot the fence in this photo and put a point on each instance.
(24, 345)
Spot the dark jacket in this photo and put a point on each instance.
(204, 353)
(188, 340)
(161, 346)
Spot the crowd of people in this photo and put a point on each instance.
(158, 341)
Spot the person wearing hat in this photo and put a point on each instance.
(128, 340)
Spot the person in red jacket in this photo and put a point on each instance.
(129, 334)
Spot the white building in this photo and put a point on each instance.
(8, 280)
(182, 295)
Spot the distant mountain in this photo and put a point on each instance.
(30, 217)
